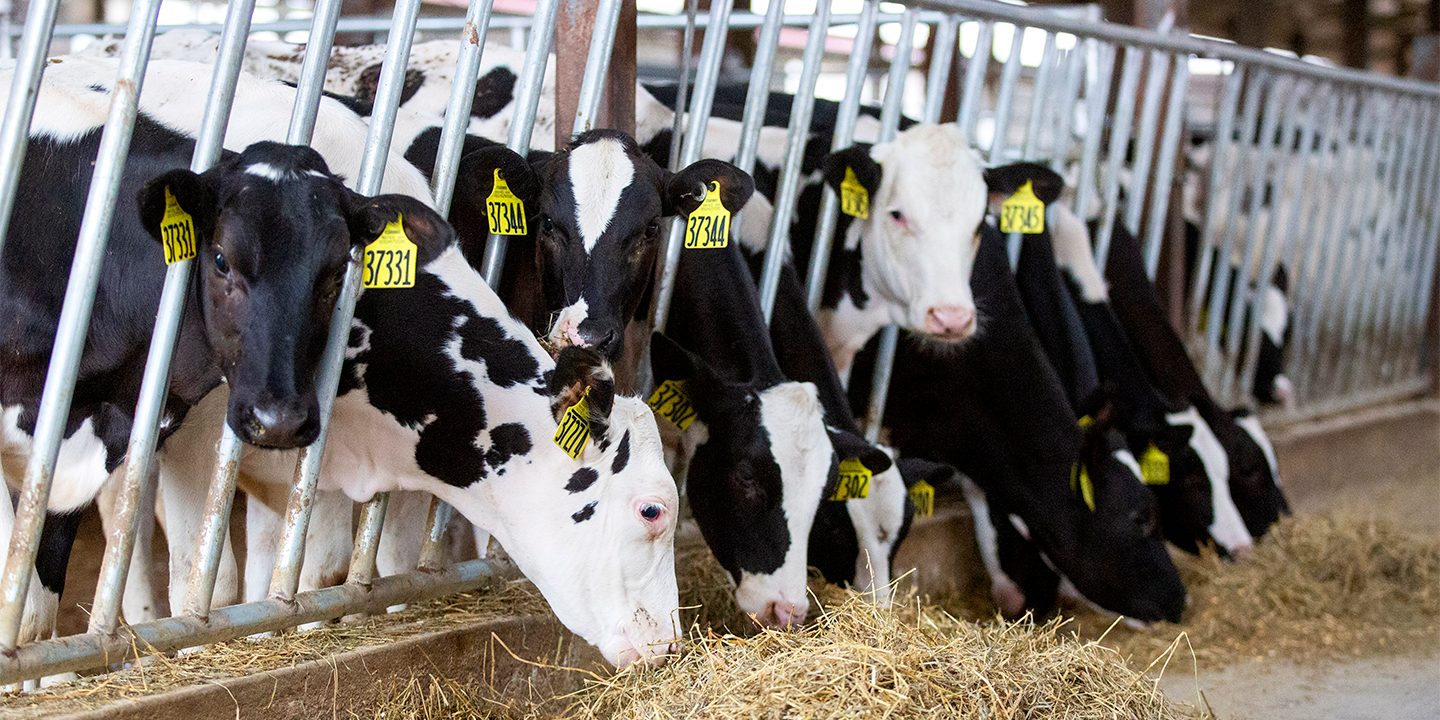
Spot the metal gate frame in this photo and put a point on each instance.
(1390, 283)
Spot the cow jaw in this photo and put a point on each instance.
(878, 520)
(1226, 527)
(608, 575)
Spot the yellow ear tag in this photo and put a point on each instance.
(574, 427)
(1081, 485)
(1085, 422)
(390, 259)
(854, 480)
(923, 495)
(854, 198)
(709, 225)
(1155, 466)
(1023, 212)
(177, 231)
(506, 211)
(671, 402)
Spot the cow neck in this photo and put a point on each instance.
(800, 350)
(1055, 319)
(716, 311)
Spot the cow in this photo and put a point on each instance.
(996, 410)
(1253, 476)
(272, 227)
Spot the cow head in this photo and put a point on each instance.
(927, 198)
(1254, 473)
(1120, 561)
(753, 498)
(274, 231)
(1196, 506)
(594, 533)
(1270, 384)
(597, 211)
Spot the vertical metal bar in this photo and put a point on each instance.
(1231, 299)
(462, 96)
(432, 553)
(105, 615)
(367, 538)
(74, 319)
(942, 53)
(1415, 317)
(24, 86)
(1332, 261)
(682, 88)
(1097, 93)
(6, 41)
(290, 551)
(200, 586)
(1375, 312)
(975, 79)
(706, 76)
(1039, 98)
(312, 71)
(757, 96)
(1065, 120)
(527, 98)
(1165, 167)
(1422, 237)
(1219, 278)
(1327, 239)
(1119, 145)
(1009, 78)
(597, 66)
(1224, 137)
(1145, 142)
(1373, 259)
(844, 135)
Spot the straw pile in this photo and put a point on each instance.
(1315, 587)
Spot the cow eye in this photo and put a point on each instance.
(546, 225)
(897, 215)
(651, 512)
(220, 264)
(652, 229)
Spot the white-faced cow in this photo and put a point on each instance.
(273, 230)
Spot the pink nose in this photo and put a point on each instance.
(950, 321)
(659, 655)
(782, 615)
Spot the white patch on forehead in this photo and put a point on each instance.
(267, 171)
(1020, 526)
(1128, 460)
(1226, 525)
(1251, 424)
(599, 172)
(1274, 313)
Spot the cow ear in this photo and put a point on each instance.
(684, 190)
(1006, 179)
(475, 179)
(849, 445)
(913, 470)
(195, 193)
(422, 225)
(583, 373)
(855, 158)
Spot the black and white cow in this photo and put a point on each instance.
(271, 255)
(760, 459)
(996, 409)
(1253, 475)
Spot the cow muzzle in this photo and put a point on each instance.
(783, 614)
(278, 425)
(952, 323)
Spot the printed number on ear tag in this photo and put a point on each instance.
(854, 480)
(1155, 466)
(390, 259)
(671, 402)
(177, 231)
(854, 198)
(709, 226)
(1023, 212)
(574, 427)
(1080, 484)
(922, 494)
(506, 211)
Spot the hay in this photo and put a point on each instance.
(859, 660)
(1315, 587)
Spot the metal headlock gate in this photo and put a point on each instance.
(1362, 258)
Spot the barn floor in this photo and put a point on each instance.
(1383, 465)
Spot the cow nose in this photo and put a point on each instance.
(782, 615)
(950, 321)
(608, 345)
(280, 425)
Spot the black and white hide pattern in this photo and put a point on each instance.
(996, 410)
(274, 228)
(760, 456)
(1253, 474)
